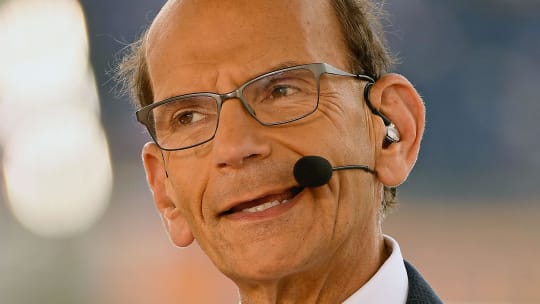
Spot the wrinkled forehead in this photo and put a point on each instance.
(206, 25)
(190, 35)
(239, 14)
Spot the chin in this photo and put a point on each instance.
(260, 272)
(268, 263)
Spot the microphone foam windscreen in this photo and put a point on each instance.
(312, 171)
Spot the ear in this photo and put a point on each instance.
(395, 97)
(175, 223)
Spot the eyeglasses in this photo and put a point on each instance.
(275, 98)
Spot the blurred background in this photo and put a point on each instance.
(77, 222)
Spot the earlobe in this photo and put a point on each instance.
(175, 223)
(395, 96)
(177, 227)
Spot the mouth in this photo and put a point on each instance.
(264, 203)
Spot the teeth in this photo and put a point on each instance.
(263, 207)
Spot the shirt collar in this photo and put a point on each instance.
(389, 285)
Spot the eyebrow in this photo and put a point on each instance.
(279, 66)
(283, 65)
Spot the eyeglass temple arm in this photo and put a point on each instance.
(367, 88)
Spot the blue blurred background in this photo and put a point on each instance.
(467, 216)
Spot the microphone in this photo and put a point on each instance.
(314, 171)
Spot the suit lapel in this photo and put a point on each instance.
(419, 290)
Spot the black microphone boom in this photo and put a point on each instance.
(315, 171)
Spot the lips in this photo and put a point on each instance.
(263, 203)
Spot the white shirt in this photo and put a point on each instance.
(389, 285)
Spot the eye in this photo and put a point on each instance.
(282, 91)
(188, 117)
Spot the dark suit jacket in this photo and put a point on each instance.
(419, 290)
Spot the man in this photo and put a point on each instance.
(234, 93)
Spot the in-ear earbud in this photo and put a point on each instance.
(392, 134)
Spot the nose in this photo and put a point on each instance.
(239, 138)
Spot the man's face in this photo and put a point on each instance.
(215, 46)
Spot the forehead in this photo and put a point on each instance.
(197, 44)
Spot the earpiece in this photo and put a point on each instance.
(392, 133)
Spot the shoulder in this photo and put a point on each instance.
(419, 290)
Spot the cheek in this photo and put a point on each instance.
(359, 134)
(348, 128)
(358, 126)
(187, 181)
(337, 131)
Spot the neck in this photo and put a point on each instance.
(333, 281)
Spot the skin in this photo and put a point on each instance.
(326, 242)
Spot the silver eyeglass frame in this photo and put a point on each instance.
(317, 69)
